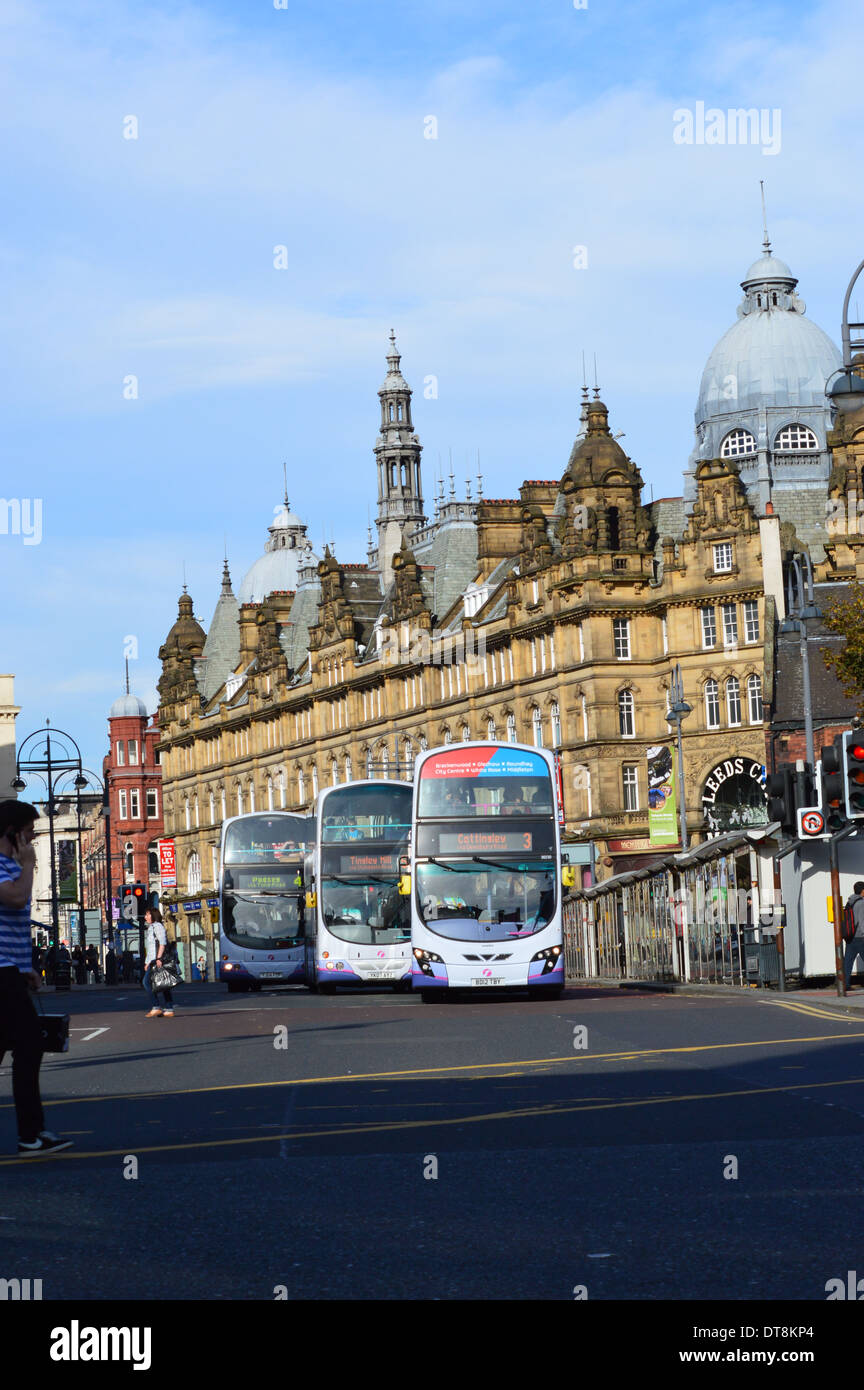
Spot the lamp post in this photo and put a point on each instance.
(50, 762)
(801, 606)
(846, 390)
(81, 781)
(675, 715)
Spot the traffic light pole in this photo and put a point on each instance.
(837, 907)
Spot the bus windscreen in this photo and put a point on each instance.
(490, 781)
(257, 839)
(363, 813)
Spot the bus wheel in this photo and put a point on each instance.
(403, 986)
(430, 996)
(326, 989)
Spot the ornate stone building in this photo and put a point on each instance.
(552, 618)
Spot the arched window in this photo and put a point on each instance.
(555, 713)
(626, 722)
(239, 801)
(754, 699)
(152, 861)
(737, 444)
(193, 875)
(424, 743)
(128, 858)
(712, 705)
(511, 728)
(537, 727)
(301, 786)
(391, 410)
(251, 796)
(733, 701)
(314, 781)
(269, 793)
(348, 772)
(448, 737)
(409, 759)
(491, 731)
(466, 733)
(614, 524)
(222, 803)
(334, 773)
(795, 439)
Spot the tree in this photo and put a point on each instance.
(845, 618)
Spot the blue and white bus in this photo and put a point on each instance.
(362, 925)
(485, 871)
(263, 905)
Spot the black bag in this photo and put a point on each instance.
(54, 1029)
(163, 977)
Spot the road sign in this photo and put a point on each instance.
(811, 822)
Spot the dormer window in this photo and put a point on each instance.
(723, 557)
(795, 439)
(738, 444)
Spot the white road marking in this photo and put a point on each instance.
(95, 1033)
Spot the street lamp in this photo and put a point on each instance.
(800, 607)
(675, 715)
(79, 784)
(49, 763)
(846, 393)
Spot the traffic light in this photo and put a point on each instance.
(133, 901)
(780, 788)
(812, 819)
(853, 773)
(833, 785)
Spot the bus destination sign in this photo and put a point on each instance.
(260, 881)
(484, 841)
(368, 863)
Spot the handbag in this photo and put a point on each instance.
(54, 1029)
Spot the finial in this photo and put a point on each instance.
(766, 244)
(127, 675)
(479, 478)
(285, 476)
(468, 489)
(596, 387)
(185, 590)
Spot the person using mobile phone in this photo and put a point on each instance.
(20, 1032)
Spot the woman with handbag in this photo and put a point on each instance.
(158, 964)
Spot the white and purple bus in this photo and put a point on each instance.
(486, 871)
(263, 906)
(360, 925)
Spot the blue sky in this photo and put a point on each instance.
(304, 127)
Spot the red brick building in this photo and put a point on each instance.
(133, 776)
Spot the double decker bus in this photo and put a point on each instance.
(263, 906)
(362, 925)
(485, 870)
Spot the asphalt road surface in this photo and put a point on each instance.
(373, 1147)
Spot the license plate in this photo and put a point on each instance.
(270, 974)
(380, 975)
(478, 981)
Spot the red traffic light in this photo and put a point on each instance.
(856, 751)
(138, 892)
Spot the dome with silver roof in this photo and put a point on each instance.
(762, 401)
(278, 568)
(128, 706)
(772, 355)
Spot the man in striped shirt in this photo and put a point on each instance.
(19, 1022)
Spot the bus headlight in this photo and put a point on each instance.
(425, 958)
(549, 958)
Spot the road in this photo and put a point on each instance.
(503, 1149)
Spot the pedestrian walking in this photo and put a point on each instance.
(20, 1031)
(855, 944)
(157, 957)
(111, 967)
(92, 959)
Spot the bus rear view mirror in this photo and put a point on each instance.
(568, 876)
(405, 886)
(311, 900)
